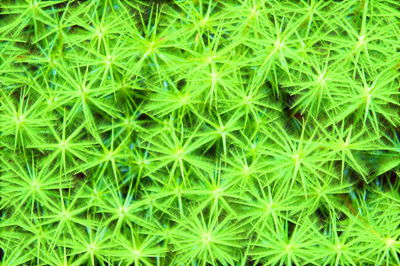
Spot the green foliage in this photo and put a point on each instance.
(193, 132)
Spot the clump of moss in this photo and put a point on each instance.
(233, 132)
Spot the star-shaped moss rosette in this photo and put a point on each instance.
(193, 132)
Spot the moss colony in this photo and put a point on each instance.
(230, 132)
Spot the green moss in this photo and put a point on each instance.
(233, 132)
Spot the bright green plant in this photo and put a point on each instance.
(199, 132)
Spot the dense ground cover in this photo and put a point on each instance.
(199, 132)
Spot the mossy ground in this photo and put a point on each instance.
(237, 132)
